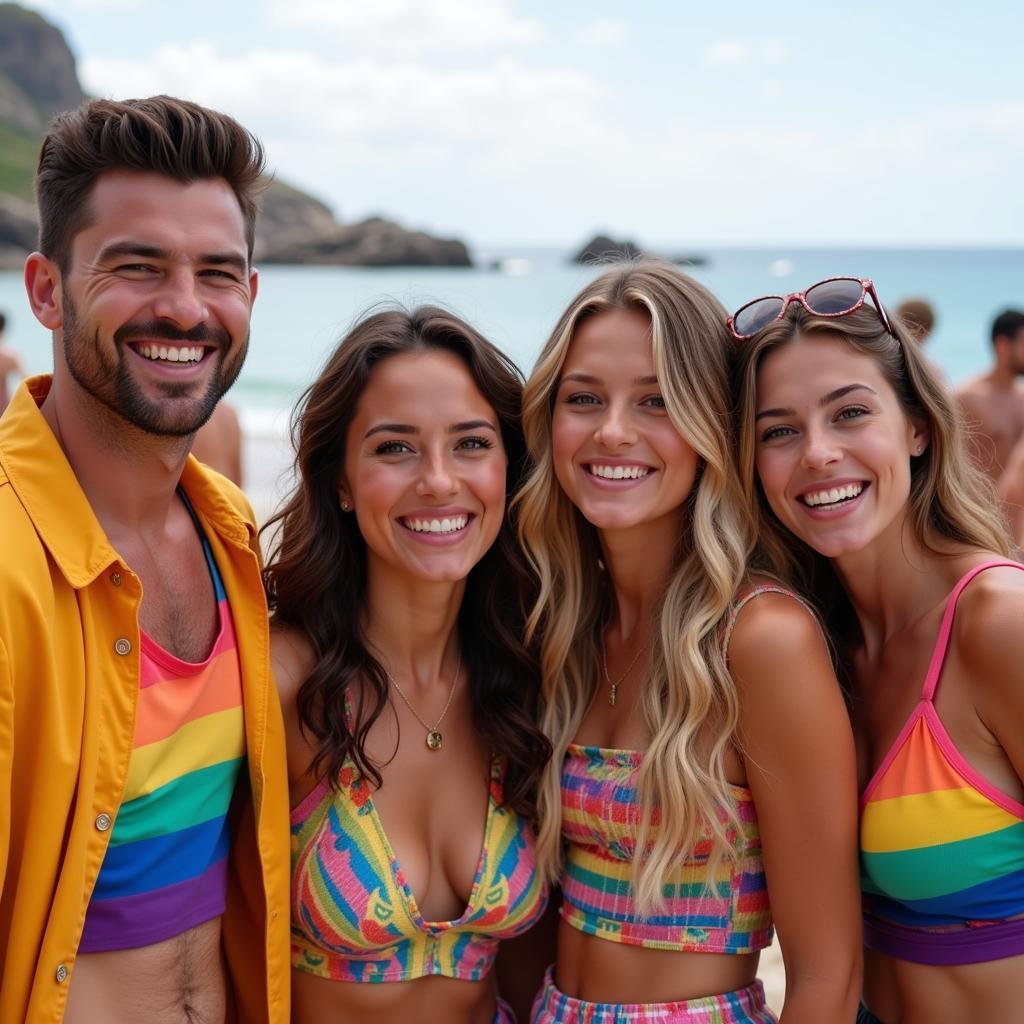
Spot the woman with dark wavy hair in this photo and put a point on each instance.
(397, 593)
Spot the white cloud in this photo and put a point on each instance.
(334, 114)
(729, 51)
(410, 26)
(603, 32)
(500, 148)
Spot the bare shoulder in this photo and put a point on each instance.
(774, 623)
(292, 657)
(973, 389)
(988, 630)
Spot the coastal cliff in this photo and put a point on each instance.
(38, 78)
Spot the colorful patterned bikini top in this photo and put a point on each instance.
(354, 916)
(723, 912)
(942, 849)
(165, 867)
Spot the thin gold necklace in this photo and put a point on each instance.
(613, 688)
(434, 737)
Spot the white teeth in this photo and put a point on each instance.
(172, 353)
(437, 525)
(619, 472)
(833, 495)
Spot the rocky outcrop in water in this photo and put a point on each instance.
(602, 249)
(374, 242)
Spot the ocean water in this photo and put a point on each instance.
(301, 312)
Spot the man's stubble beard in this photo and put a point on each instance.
(110, 382)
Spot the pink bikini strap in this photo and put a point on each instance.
(931, 680)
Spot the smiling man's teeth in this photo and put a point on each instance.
(833, 495)
(172, 353)
(437, 525)
(619, 472)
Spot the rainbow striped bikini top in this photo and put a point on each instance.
(942, 850)
(722, 911)
(354, 916)
(165, 866)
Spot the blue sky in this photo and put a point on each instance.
(532, 122)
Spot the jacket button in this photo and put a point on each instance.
(123, 647)
(62, 974)
(103, 822)
(116, 578)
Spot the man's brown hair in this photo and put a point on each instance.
(162, 135)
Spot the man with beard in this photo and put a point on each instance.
(143, 802)
(993, 404)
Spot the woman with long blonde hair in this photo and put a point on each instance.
(853, 459)
(703, 769)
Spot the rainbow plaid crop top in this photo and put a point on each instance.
(165, 867)
(724, 913)
(942, 849)
(354, 916)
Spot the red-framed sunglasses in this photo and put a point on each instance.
(835, 296)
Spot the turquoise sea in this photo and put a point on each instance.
(302, 311)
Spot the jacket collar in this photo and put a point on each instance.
(45, 484)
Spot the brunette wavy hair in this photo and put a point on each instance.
(317, 572)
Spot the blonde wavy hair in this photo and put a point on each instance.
(952, 503)
(689, 701)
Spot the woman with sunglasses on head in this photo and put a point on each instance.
(397, 594)
(703, 769)
(853, 459)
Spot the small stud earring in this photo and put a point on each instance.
(345, 506)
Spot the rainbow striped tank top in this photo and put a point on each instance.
(354, 915)
(165, 867)
(942, 850)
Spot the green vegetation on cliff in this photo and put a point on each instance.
(18, 154)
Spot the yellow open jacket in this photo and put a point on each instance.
(69, 682)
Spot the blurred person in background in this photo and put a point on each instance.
(10, 366)
(918, 317)
(219, 443)
(993, 403)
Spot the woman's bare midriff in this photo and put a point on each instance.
(178, 981)
(601, 971)
(425, 1000)
(899, 992)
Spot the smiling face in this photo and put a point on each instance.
(156, 299)
(425, 468)
(833, 445)
(616, 453)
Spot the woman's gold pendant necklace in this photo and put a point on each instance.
(434, 737)
(613, 687)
